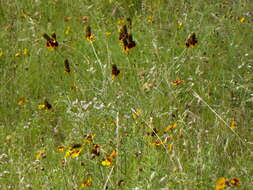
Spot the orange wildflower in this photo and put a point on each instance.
(86, 183)
(21, 101)
(176, 82)
(157, 143)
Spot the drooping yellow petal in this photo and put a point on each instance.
(106, 162)
(67, 31)
(112, 155)
(61, 148)
(233, 124)
(157, 143)
(40, 154)
(220, 184)
(107, 34)
(170, 147)
(41, 106)
(137, 113)
(235, 182)
(25, 51)
(170, 127)
(242, 19)
(76, 153)
(17, 54)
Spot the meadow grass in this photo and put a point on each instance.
(174, 117)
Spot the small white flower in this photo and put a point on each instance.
(99, 106)
(3, 156)
(6, 172)
(85, 106)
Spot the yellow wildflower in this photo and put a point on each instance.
(8, 138)
(150, 19)
(235, 182)
(106, 162)
(51, 41)
(21, 101)
(180, 24)
(89, 138)
(113, 154)
(73, 153)
(89, 36)
(170, 147)
(242, 19)
(25, 51)
(67, 31)
(17, 54)
(157, 143)
(220, 184)
(121, 21)
(170, 127)
(1, 53)
(45, 106)
(76, 153)
(41, 106)
(61, 148)
(107, 34)
(137, 113)
(176, 82)
(233, 124)
(40, 154)
(147, 86)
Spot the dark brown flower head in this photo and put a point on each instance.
(123, 33)
(47, 104)
(51, 41)
(120, 182)
(131, 42)
(153, 133)
(89, 35)
(95, 150)
(125, 44)
(46, 37)
(126, 39)
(192, 41)
(89, 138)
(76, 146)
(88, 31)
(54, 35)
(67, 67)
(115, 71)
(235, 181)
